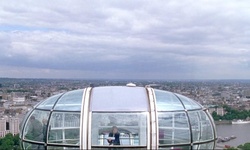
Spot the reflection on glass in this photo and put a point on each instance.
(132, 128)
(64, 128)
(29, 146)
(49, 103)
(195, 125)
(36, 126)
(70, 101)
(21, 125)
(173, 128)
(201, 126)
(206, 127)
(167, 101)
(188, 103)
(206, 146)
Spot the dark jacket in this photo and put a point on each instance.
(116, 141)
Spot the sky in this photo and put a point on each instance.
(132, 39)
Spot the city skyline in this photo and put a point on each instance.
(125, 40)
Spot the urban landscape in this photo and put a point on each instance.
(68, 67)
(18, 96)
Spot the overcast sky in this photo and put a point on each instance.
(173, 39)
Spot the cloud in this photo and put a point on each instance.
(142, 39)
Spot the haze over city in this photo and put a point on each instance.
(206, 39)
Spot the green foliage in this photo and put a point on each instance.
(231, 114)
(215, 116)
(9, 142)
(246, 146)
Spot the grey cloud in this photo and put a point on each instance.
(144, 38)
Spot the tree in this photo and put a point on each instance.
(232, 114)
(246, 146)
(215, 116)
(9, 142)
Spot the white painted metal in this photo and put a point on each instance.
(84, 119)
(153, 143)
(131, 85)
(89, 130)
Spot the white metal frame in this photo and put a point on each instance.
(84, 119)
(154, 137)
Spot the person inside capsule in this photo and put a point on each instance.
(114, 136)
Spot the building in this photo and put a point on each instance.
(219, 110)
(146, 118)
(9, 125)
(19, 99)
(246, 94)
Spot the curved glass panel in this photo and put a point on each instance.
(37, 104)
(206, 127)
(201, 126)
(49, 103)
(119, 99)
(71, 101)
(36, 126)
(64, 128)
(131, 129)
(173, 128)
(196, 126)
(61, 148)
(167, 101)
(189, 103)
(176, 148)
(31, 146)
(21, 126)
(206, 146)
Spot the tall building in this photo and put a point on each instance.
(9, 125)
(127, 117)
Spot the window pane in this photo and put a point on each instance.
(189, 103)
(49, 103)
(176, 148)
(36, 126)
(64, 128)
(22, 123)
(195, 124)
(119, 99)
(201, 126)
(206, 127)
(173, 128)
(70, 101)
(61, 148)
(72, 136)
(29, 146)
(132, 128)
(167, 101)
(206, 146)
